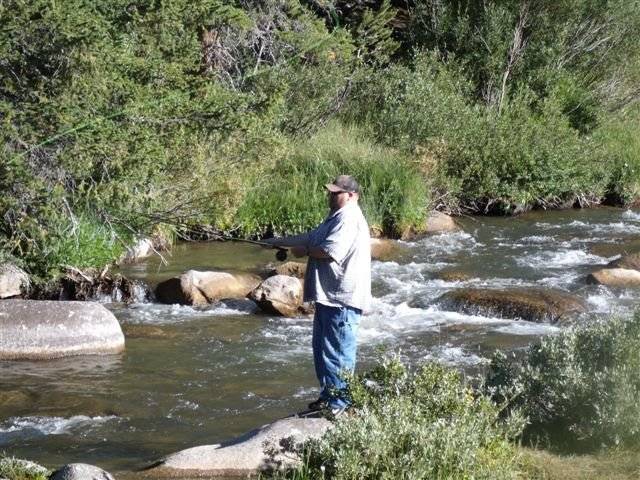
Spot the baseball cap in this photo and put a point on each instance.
(343, 183)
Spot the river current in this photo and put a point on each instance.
(200, 376)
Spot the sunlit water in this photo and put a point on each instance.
(199, 376)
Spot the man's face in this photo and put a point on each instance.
(337, 200)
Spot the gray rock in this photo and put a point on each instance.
(13, 280)
(279, 295)
(201, 288)
(31, 329)
(80, 471)
(259, 450)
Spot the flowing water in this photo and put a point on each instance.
(199, 376)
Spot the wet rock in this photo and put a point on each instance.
(439, 222)
(279, 295)
(290, 269)
(100, 286)
(384, 249)
(629, 262)
(615, 277)
(33, 329)
(266, 448)
(80, 471)
(13, 280)
(202, 288)
(534, 305)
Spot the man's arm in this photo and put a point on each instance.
(314, 252)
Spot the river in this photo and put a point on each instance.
(199, 376)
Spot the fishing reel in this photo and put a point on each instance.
(281, 254)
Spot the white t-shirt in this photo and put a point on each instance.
(345, 278)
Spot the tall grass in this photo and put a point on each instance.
(291, 198)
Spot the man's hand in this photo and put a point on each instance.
(299, 251)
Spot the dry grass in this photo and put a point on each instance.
(610, 465)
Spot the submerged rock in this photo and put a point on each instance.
(453, 276)
(13, 280)
(201, 288)
(279, 295)
(33, 329)
(534, 305)
(80, 471)
(263, 449)
(615, 277)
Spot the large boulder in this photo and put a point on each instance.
(80, 471)
(201, 288)
(290, 269)
(438, 222)
(534, 305)
(13, 280)
(384, 249)
(279, 295)
(257, 451)
(31, 329)
(615, 277)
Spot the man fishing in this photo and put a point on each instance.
(338, 280)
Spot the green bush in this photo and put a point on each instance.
(424, 425)
(524, 156)
(291, 198)
(579, 388)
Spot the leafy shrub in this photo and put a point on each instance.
(620, 147)
(291, 198)
(427, 424)
(526, 155)
(579, 388)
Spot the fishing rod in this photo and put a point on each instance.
(281, 254)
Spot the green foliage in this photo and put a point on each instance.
(620, 146)
(176, 113)
(406, 425)
(527, 155)
(15, 469)
(579, 388)
(291, 198)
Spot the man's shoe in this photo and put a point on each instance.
(319, 404)
(338, 411)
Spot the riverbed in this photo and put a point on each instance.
(194, 376)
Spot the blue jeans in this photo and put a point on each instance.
(334, 350)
